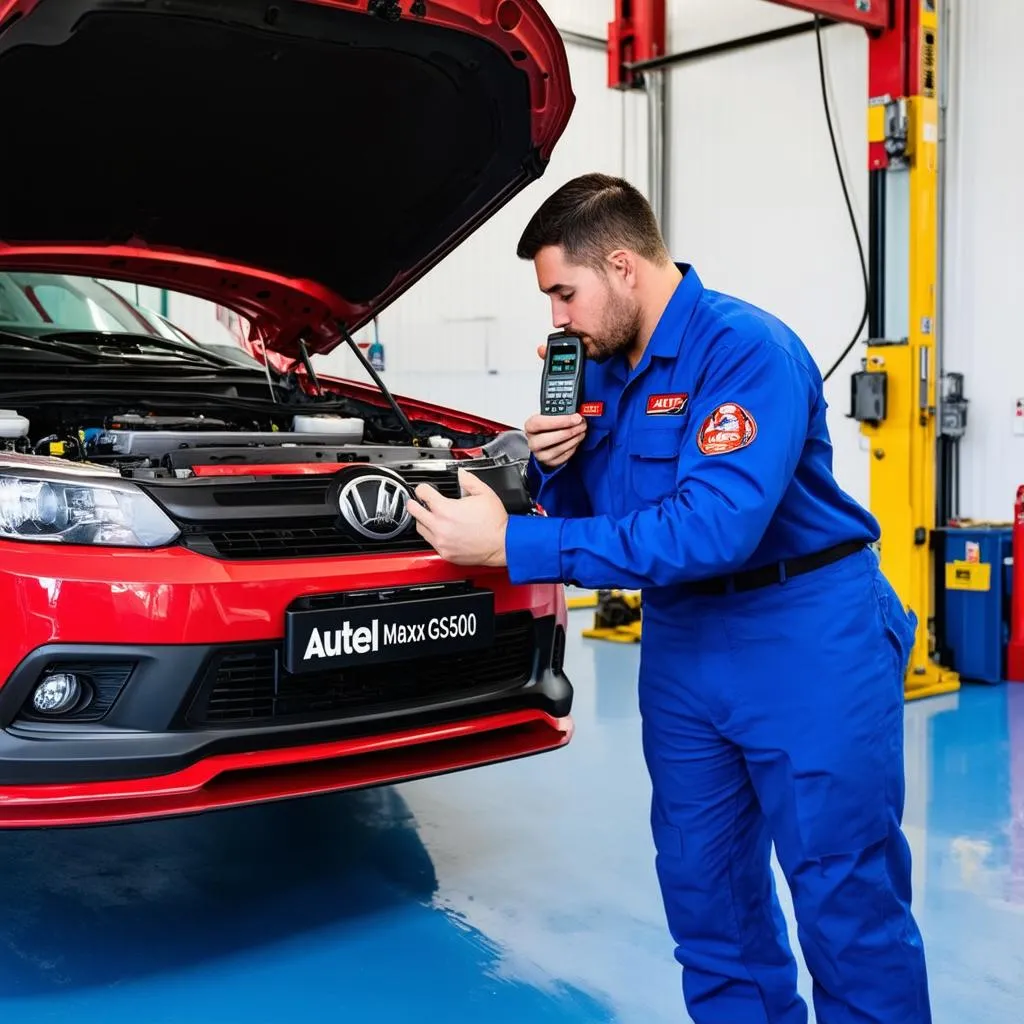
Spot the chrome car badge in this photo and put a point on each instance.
(385, 496)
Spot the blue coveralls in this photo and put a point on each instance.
(769, 714)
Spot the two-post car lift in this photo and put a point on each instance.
(895, 394)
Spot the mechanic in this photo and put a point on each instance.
(773, 649)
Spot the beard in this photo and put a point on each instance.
(619, 329)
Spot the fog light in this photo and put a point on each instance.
(56, 693)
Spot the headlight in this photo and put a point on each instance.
(81, 512)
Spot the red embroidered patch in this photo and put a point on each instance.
(729, 428)
(592, 409)
(667, 405)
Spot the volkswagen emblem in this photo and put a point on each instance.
(376, 506)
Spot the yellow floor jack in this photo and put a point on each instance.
(616, 615)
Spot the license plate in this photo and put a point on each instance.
(373, 634)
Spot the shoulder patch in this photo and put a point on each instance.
(729, 428)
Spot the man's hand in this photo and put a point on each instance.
(553, 439)
(465, 531)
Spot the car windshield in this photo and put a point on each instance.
(49, 304)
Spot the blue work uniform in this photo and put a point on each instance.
(772, 661)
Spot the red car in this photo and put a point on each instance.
(213, 592)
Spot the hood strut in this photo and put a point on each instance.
(308, 364)
(402, 418)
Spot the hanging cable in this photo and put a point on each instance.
(849, 204)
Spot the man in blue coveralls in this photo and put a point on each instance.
(773, 649)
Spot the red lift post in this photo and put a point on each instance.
(638, 33)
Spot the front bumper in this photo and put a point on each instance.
(233, 779)
(194, 723)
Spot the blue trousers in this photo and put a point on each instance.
(776, 715)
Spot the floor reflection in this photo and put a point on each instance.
(273, 913)
(968, 898)
(523, 892)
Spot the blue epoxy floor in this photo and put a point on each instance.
(519, 893)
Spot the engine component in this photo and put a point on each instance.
(12, 424)
(508, 483)
(299, 454)
(65, 445)
(14, 432)
(156, 443)
(508, 446)
(137, 421)
(349, 427)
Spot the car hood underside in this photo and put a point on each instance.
(302, 162)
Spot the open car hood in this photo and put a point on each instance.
(300, 161)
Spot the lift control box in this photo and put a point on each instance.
(868, 390)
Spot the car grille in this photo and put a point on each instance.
(321, 536)
(248, 684)
(318, 537)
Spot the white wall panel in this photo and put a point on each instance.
(696, 23)
(588, 17)
(755, 198)
(466, 335)
(985, 226)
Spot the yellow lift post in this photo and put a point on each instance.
(895, 395)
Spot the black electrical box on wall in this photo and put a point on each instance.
(867, 396)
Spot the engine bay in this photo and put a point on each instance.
(225, 487)
(149, 440)
(232, 462)
(229, 462)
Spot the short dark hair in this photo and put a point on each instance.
(591, 216)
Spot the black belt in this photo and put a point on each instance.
(777, 572)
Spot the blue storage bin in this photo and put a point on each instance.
(975, 601)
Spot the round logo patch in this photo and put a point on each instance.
(729, 428)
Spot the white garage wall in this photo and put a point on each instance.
(466, 335)
(985, 228)
(587, 17)
(697, 23)
(755, 198)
